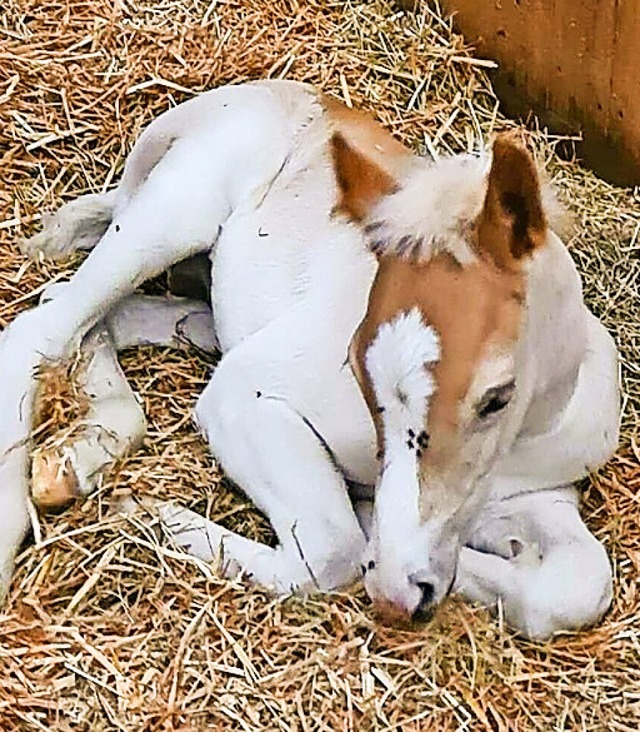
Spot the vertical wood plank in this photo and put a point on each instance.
(576, 63)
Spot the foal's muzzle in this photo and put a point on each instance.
(426, 606)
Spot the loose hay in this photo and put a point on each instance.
(106, 630)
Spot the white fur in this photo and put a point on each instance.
(396, 361)
(245, 174)
(451, 194)
(78, 225)
(534, 555)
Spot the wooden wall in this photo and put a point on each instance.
(574, 62)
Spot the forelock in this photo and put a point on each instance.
(436, 206)
(432, 211)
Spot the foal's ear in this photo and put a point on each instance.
(361, 182)
(512, 222)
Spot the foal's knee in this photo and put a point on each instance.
(225, 403)
(570, 590)
(590, 588)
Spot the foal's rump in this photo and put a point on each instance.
(258, 119)
(190, 170)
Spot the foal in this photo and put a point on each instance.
(439, 453)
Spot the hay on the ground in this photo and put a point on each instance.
(105, 630)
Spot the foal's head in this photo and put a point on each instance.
(436, 356)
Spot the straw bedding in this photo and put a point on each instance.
(104, 629)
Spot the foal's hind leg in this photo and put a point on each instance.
(534, 555)
(237, 147)
(115, 423)
(113, 426)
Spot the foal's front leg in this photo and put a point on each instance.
(270, 448)
(279, 462)
(534, 555)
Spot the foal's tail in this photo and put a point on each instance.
(78, 224)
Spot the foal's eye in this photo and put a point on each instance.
(495, 400)
(495, 404)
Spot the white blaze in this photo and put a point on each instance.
(395, 362)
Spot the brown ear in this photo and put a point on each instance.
(512, 223)
(361, 182)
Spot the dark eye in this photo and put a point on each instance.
(495, 400)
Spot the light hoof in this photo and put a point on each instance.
(48, 242)
(54, 483)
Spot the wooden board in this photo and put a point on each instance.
(576, 63)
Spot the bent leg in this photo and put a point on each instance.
(178, 211)
(115, 424)
(273, 452)
(534, 555)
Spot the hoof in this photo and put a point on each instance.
(54, 483)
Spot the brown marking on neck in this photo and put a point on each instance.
(369, 163)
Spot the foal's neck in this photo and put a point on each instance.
(554, 336)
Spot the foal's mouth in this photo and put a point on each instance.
(391, 615)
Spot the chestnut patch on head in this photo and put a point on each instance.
(512, 223)
(468, 307)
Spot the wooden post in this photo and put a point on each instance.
(576, 63)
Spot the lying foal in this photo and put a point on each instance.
(476, 388)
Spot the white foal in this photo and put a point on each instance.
(488, 387)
